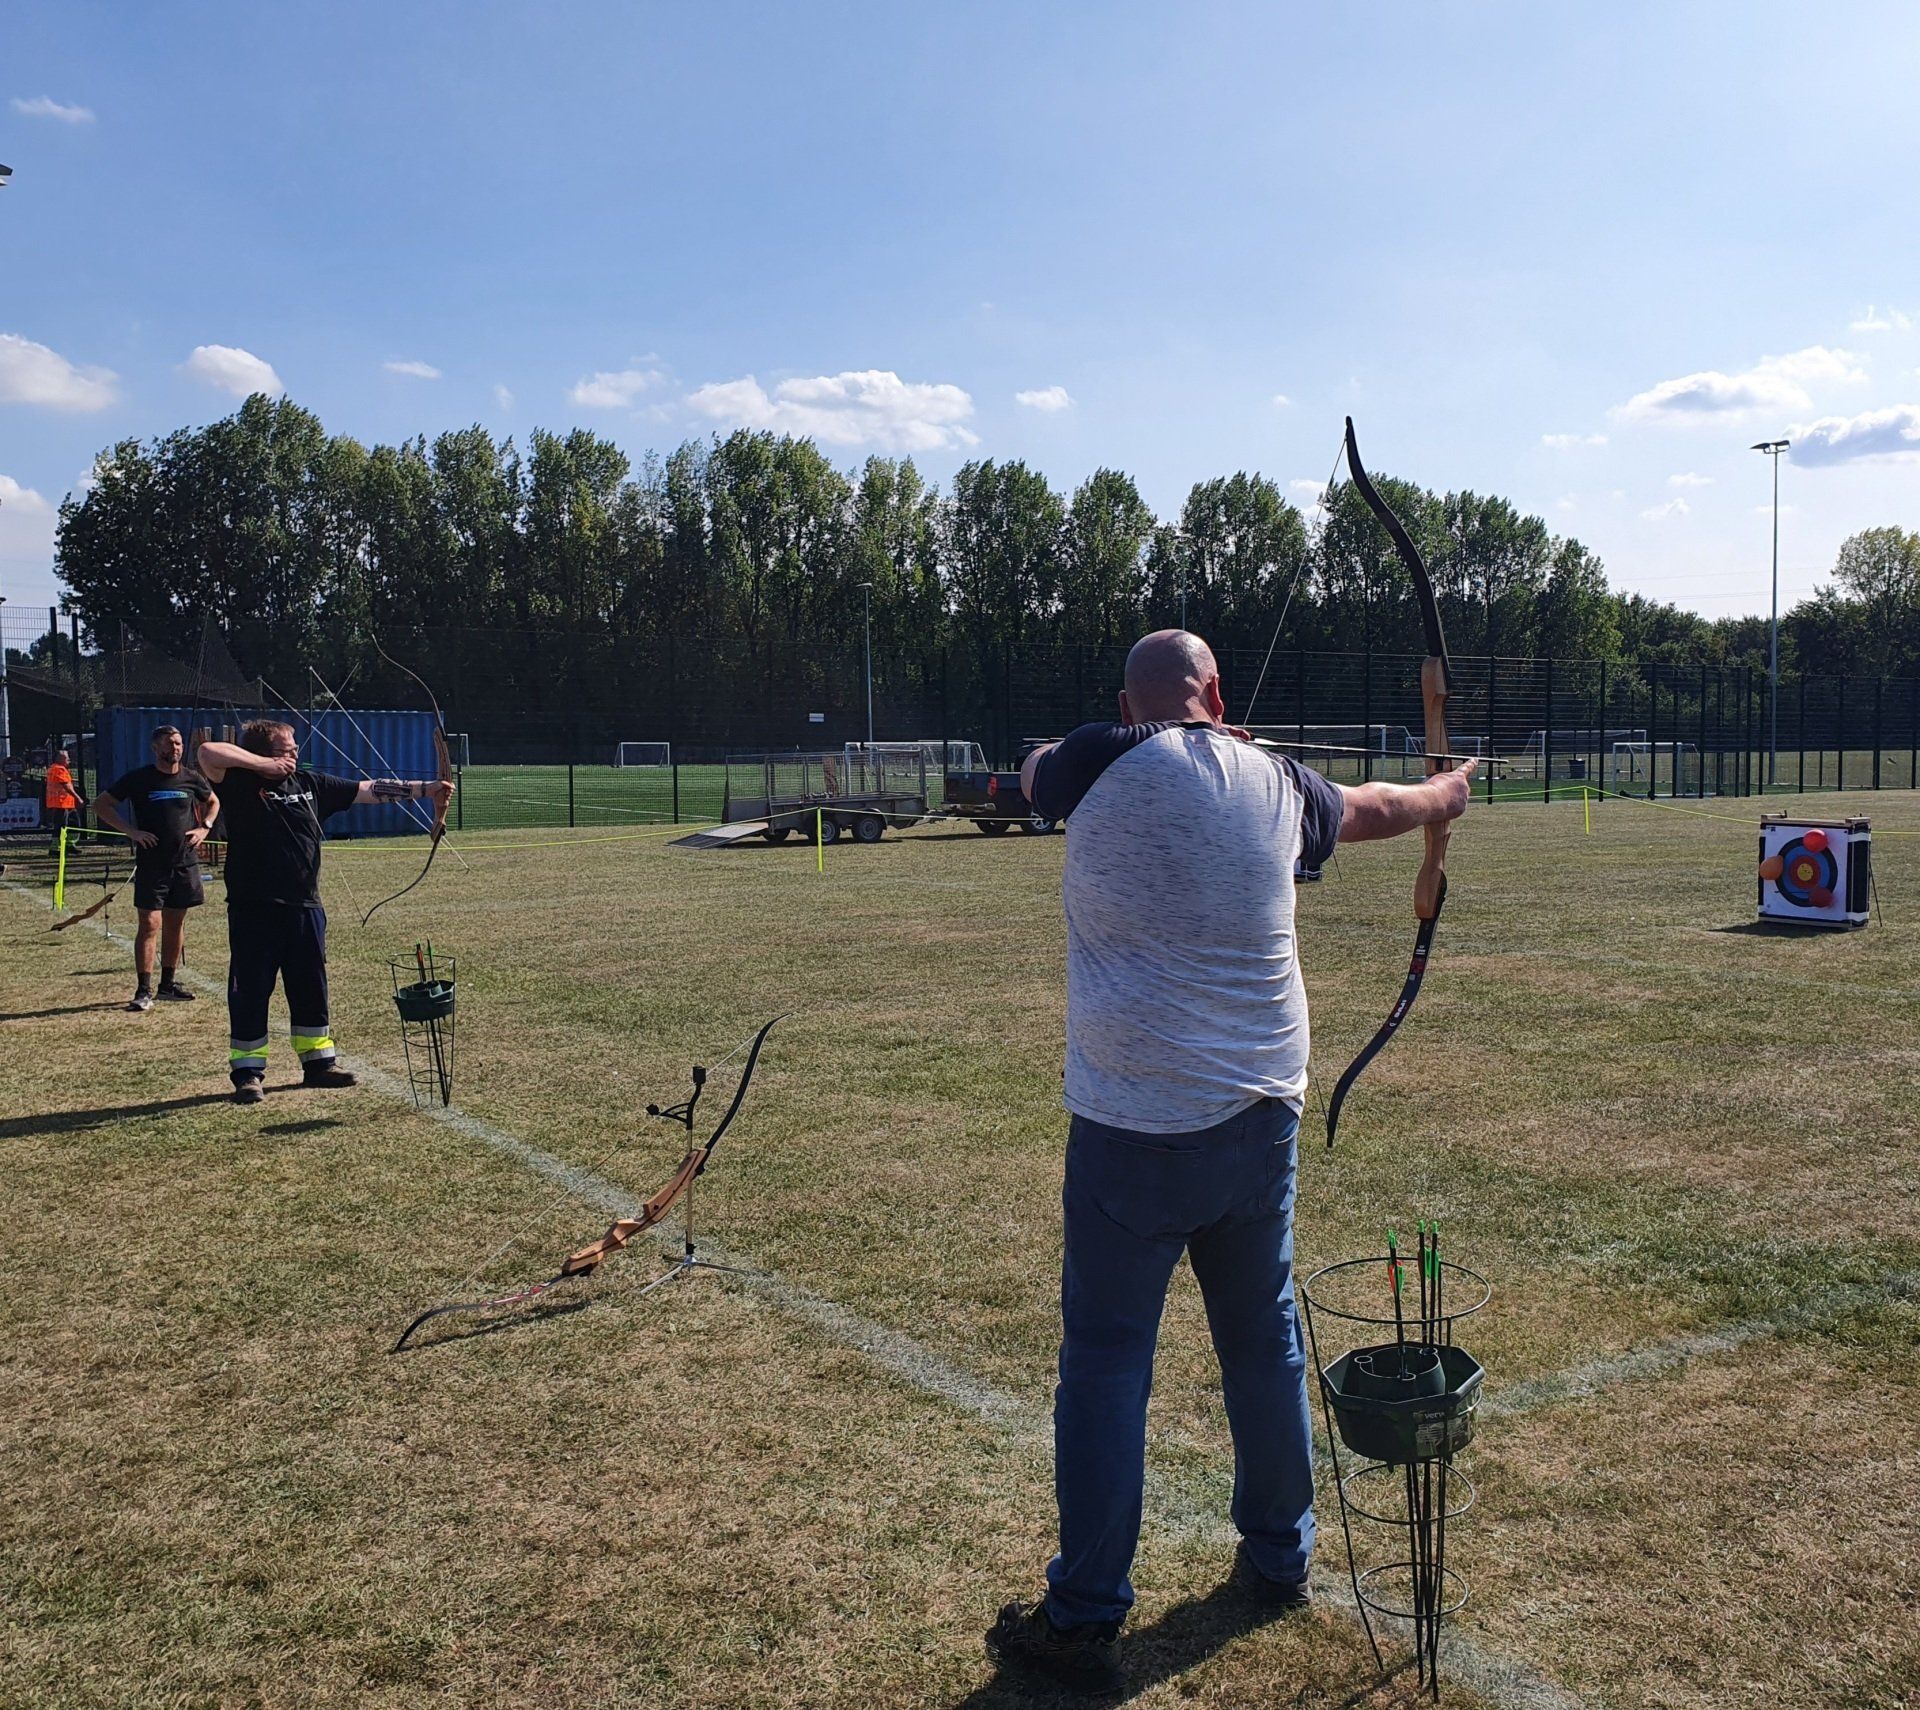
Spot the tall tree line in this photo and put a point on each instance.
(265, 519)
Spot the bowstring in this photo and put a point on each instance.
(415, 810)
(1293, 588)
(313, 730)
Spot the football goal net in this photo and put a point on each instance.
(1557, 749)
(643, 754)
(1654, 766)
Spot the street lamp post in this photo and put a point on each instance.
(1773, 448)
(866, 598)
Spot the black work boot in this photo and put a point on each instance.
(1082, 1659)
(327, 1075)
(1280, 1595)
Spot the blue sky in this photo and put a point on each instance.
(1578, 255)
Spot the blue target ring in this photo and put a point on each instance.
(1808, 877)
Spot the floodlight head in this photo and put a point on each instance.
(6, 172)
(1772, 446)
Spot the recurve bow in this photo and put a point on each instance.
(1436, 684)
(584, 1261)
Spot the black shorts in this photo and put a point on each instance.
(168, 887)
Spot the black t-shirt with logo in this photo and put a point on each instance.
(162, 803)
(273, 834)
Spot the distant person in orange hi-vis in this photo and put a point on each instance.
(62, 805)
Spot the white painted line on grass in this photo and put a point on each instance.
(1507, 1684)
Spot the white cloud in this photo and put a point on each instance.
(1672, 508)
(1773, 385)
(412, 369)
(613, 391)
(1876, 320)
(45, 107)
(1281, 401)
(1567, 504)
(1888, 433)
(502, 396)
(23, 501)
(871, 406)
(32, 374)
(26, 524)
(232, 370)
(1048, 398)
(1689, 480)
(1567, 441)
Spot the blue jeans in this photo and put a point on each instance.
(1133, 1204)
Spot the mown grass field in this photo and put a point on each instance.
(1683, 1150)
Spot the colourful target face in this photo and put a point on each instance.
(1807, 873)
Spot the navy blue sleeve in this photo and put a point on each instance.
(1324, 808)
(1062, 779)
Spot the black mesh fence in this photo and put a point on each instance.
(556, 728)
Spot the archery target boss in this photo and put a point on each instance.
(1815, 872)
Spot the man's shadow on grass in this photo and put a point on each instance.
(83, 1121)
(1181, 1639)
(62, 1009)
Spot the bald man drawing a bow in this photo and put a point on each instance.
(1186, 1072)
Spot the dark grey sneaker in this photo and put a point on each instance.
(142, 1001)
(1279, 1595)
(1082, 1659)
(174, 994)
(249, 1091)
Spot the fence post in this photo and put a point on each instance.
(1493, 694)
(1840, 736)
(1800, 735)
(1300, 699)
(1879, 685)
(1913, 735)
(1653, 730)
(1601, 737)
(569, 786)
(673, 727)
(1700, 748)
(1546, 741)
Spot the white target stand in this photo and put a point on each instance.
(1815, 872)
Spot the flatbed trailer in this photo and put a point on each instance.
(829, 795)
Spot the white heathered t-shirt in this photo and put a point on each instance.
(1184, 997)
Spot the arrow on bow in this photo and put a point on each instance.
(1436, 685)
(584, 1261)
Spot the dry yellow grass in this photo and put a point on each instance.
(1645, 1126)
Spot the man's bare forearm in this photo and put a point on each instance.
(1381, 809)
(218, 758)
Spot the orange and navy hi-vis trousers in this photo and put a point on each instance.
(269, 942)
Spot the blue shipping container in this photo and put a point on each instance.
(386, 745)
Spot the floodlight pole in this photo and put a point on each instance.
(1773, 448)
(866, 597)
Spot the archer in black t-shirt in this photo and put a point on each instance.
(172, 806)
(276, 927)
